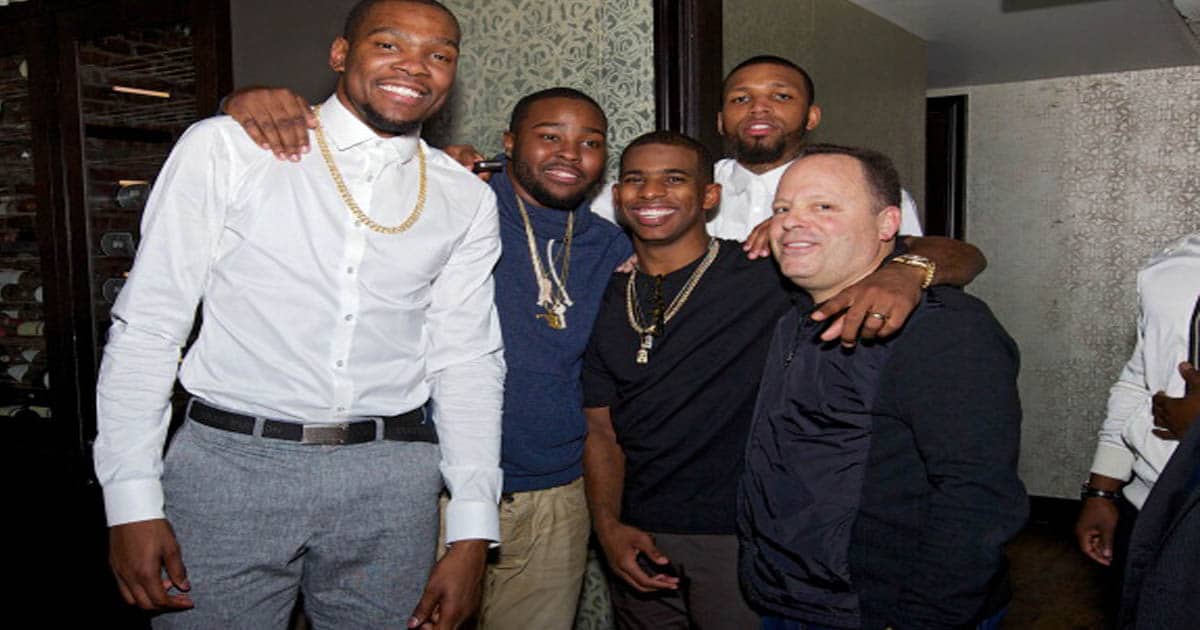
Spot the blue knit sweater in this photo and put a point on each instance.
(544, 428)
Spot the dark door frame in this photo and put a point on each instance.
(688, 67)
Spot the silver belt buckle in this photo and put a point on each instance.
(325, 433)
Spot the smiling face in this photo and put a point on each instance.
(662, 195)
(557, 152)
(829, 230)
(397, 68)
(765, 114)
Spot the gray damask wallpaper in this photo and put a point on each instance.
(1072, 184)
(513, 47)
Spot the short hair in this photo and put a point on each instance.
(521, 109)
(704, 159)
(878, 170)
(809, 88)
(360, 9)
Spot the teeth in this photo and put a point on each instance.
(799, 244)
(653, 214)
(561, 174)
(401, 90)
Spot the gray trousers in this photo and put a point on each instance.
(352, 527)
(708, 597)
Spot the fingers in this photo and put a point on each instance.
(423, 613)
(629, 266)
(1191, 377)
(758, 244)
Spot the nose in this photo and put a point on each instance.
(569, 151)
(760, 104)
(411, 63)
(652, 188)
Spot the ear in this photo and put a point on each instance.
(510, 140)
(712, 196)
(888, 223)
(720, 123)
(337, 54)
(814, 117)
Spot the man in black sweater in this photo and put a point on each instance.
(880, 481)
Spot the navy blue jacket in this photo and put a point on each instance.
(881, 482)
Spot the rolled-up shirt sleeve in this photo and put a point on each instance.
(151, 320)
(466, 371)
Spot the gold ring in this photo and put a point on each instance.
(880, 316)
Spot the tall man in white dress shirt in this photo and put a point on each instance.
(339, 295)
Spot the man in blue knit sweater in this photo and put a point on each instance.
(557, 259)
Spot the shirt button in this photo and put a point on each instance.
(358, 224)
(340, 364)
(350, 270)
(349, 318)
(341, 408)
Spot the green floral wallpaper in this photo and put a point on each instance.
(513, 47)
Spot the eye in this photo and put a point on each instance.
(443, 57)
(780, 209)
(385, 45)
(549, 137)
(631, 179)
(675, 179)
(593, 144)
(824, 207)
(780, 96)
(742, 98)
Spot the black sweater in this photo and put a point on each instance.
(881, 482)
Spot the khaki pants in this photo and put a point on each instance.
(533, 579)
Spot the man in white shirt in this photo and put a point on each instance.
(1132, 451)
(339, 295)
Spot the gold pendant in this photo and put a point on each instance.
(555, 316)
(643, 353)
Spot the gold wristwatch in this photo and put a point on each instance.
(914, 260)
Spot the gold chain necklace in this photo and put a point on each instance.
(344, 191)
(655, 328)
(554, 303)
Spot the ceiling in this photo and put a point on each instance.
(974, 42)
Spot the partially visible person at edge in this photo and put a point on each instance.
(339, 296)
(1132, 451)
(767, 110)
(669, 388)
(880, 482)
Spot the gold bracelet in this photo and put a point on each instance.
(915, 260)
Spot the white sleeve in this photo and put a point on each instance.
(910, 221)
(152, 318)
(466, 368)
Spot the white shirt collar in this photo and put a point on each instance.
(346, 131)
(742, 177)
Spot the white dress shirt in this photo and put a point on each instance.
(746, 199)
(308, 315)
(1128, 449)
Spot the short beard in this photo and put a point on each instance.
(754, 152)
(382, 124)
(525, 177)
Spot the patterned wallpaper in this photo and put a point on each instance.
(513, 47)
(1072, 184)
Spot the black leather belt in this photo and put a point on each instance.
(406, 427)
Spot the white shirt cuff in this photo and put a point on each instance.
(134, 500)
(472, 520)
(1113, 462)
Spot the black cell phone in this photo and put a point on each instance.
(652, 568)
(487, 166)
